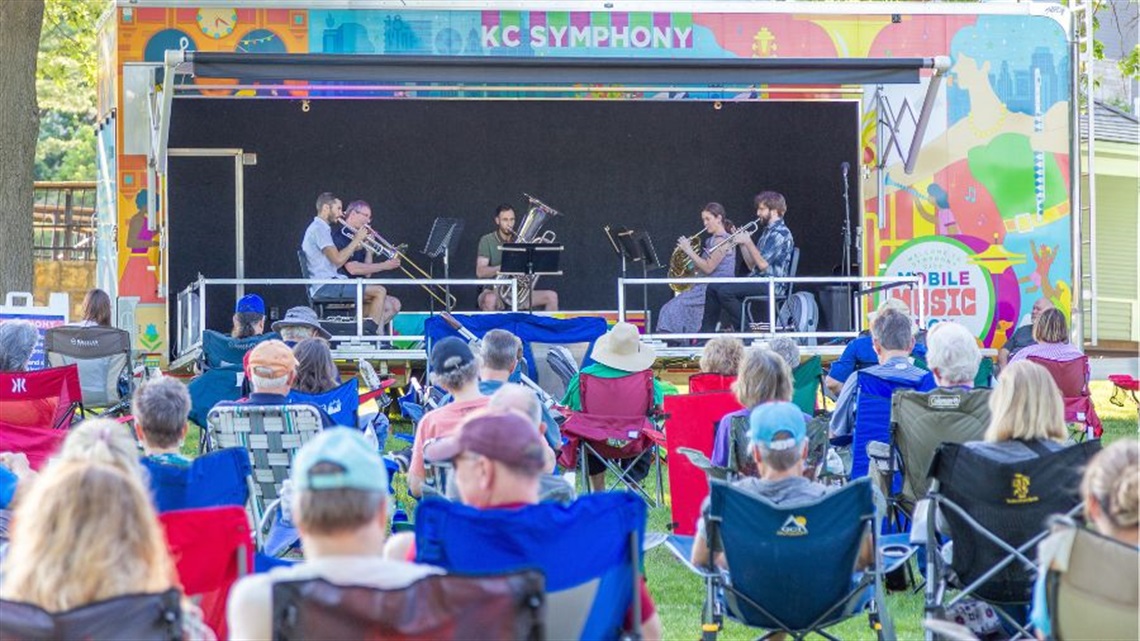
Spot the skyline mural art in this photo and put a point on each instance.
(983, 218)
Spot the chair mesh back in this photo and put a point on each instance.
(1096, 595)
(921, 421)
(138, 616)
(102, 354)
(1010, 489)
(795, 562)
(271, 435)
(506, 607)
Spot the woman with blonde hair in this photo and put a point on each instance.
(87, 532)
(106, 441)
(720, 360)
(1111, 493)
(1026, 406)
(763, 377)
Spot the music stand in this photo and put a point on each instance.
(530, 259)
(442, 240)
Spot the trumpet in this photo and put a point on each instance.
(381, 248)
(681, 266)
(747, 228)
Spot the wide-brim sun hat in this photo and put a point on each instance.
(621, 348)
(301, 317)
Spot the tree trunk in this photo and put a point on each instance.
(20, 23)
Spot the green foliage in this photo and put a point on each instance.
(65, 90)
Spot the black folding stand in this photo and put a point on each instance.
(531, 259)
(442, 239)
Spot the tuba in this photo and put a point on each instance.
(681, 266)
(536, 216)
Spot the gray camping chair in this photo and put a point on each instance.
(103, 356)
(271, 434)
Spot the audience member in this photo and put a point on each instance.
(271, 369)
(316, 370)
(1022, 337)
(616, 354)
(249, 317)
(1027, 406)
(501, 354)
(340, 506)
(1051, 333)
(764, 377)
(522, 399)
(16, 474)
(87, 532)
(1111, 494)
(17, 342)
(455, 369)
(96, 309)
(161, 407)
(859, 353)
(299, 323)
(953, 355)
(105, 441)
(892, 336)
(722, 355)
(788, 350)
(497, 459)
(778, 445)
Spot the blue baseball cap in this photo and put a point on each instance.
(769, 419)
(361, 467)
(449, 354)
(250, 303)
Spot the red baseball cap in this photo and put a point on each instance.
(507, 437)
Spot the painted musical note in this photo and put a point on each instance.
(971, 195)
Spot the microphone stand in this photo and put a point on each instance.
(846, 271)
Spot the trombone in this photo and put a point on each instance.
(381, 248)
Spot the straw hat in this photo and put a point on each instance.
(621, 348)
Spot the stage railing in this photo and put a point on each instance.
(191, 303)
(877, 282)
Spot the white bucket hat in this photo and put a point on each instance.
(621, 348)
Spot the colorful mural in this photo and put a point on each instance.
(983, 217)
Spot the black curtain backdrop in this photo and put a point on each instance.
(650, 165)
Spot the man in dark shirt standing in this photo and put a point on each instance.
(769, 255)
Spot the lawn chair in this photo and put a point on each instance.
(103, 356)
(873, 413)
(791, 568)
(920, 422)
(995, 499)
(37, 409)
(223, 376)
(691, 423)
(212, 548)
(1072, 379)
(271, 435)
(1092, 584)
(589, 550)
(704, 382)
(212, 480)
(143, 617)
(505, 607)
(615, 427)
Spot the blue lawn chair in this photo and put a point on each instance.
(341, 403)
(791, 567)
(221, 378)
(212, 480)
(873, 415)
(589, 551)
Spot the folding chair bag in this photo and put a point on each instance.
(795, 563)
(45, 398)
(691, 423)
(589, 551)
(921, 421)
(102, 354)
(505, 607)
(1010, 489)
(1092, 587)
(873, 412)
(341, 403)
(142, 617)
(212, 480)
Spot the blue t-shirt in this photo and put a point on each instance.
(8, 483)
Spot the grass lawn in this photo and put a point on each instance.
(679, 594)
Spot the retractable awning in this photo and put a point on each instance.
(478, 70)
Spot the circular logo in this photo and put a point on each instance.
(957, 288)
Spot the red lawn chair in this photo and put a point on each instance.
(691, 423)
(212, 548)
(1072, 379)
(36, 410)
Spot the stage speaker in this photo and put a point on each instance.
(836, 309)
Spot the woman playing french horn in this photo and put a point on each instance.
(717, 259)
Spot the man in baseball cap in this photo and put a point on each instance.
(249, 317)
(340, 503)
(271, 369)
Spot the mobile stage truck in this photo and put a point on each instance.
(222, 122)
